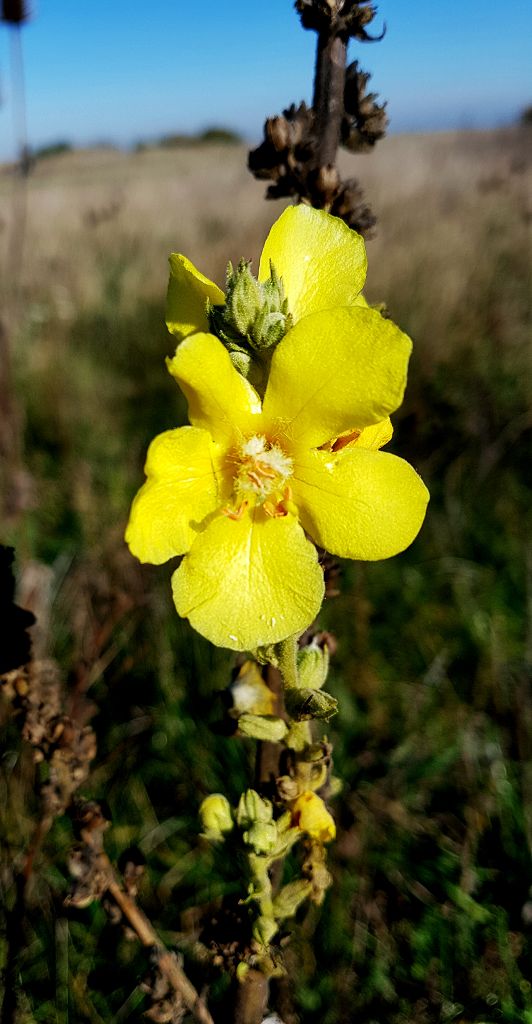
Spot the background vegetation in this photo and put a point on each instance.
(430, 916)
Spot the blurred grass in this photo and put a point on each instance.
(430, 916)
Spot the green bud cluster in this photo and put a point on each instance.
(253, 808)
(254, 831)
(254, 318)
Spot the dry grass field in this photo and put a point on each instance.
(429, 918)
(451, 200)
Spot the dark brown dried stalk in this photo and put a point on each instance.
(36, 693)
(300, 147)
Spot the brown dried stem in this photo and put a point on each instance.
(252, 998)
(328, 101)
(145, 932)
(299, 151)
(96, 880)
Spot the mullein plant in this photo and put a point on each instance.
(290, 379)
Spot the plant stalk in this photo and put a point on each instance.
(328, 99)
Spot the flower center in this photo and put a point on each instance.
(263, 468)
(262, 475)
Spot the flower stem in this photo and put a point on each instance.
(287, 660)
(328, 100)
(268, 753)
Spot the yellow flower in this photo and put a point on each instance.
(240, 491)
(310, 815)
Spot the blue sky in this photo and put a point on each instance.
(120, 70)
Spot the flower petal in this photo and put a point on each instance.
(186, 299)
(185, 484)
(322, 262)
(335, 370)
(310, 815)
(249, 582)
(359, 504)
(375, 436)
(218, 397)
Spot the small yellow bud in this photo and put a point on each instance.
(310, 815)
(216, 817)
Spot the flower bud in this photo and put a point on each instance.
(268, 329)
(262, 836)
(244, 298)
(290, 897)
(241, 361)
(310, 815)
(216, 817)
(305, 704)
(252, 808)
(313, 666)
(263, 727)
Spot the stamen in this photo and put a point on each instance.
(282, 507)
(343, 441)
(263, 470)
(235, 513)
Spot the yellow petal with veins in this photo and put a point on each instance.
(186, 299)
(359, 503)
(370, 437)
(322, 262)
(249, 582)
(336, 370)
(185, 484)
(375, 436)
(219, 398)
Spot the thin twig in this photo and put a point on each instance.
(148, 937)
